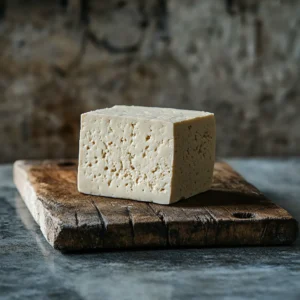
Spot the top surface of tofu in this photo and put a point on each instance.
(151, 113)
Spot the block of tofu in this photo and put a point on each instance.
(159, 155)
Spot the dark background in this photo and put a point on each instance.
(239, 59)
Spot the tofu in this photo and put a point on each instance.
(151, 154)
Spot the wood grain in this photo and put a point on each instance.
(232, 213)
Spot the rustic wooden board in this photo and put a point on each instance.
(232, 213)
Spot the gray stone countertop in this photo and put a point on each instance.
(32, 269)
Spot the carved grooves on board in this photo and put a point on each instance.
(101, 219)
(262, 236)
(76, 219)
(163, 221)
(213, 219)
(131, 224)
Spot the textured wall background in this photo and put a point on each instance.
(239, 59)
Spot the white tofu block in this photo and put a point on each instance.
(151, 154)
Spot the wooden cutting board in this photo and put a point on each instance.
(232, 213)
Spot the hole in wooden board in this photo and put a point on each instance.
(66, 164)
(243, 215)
